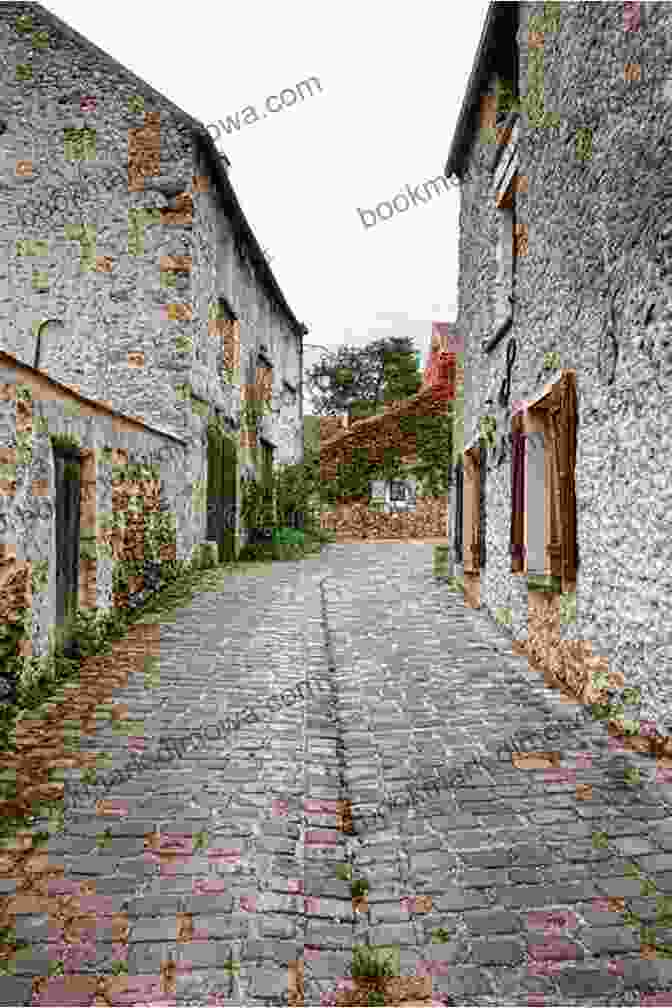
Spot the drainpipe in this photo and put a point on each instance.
(38, 342)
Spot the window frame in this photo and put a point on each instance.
(553, 414)
(395, 483)
(226, 328)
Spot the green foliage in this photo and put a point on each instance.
(567, 608)
(440, 935)
(506, 97)
(72, 471)
(551, 361)
(487, 428)
(138, 219)
(375, 998)
(184, 343)
(40, 576)
(160, 530)
(10, 636)
(311, 435)
(368, 962)
(135, 471)
(584, 143)
(344, 872)
(384, 370)
(136, 104)
(551, 18)
(433, 439)
(222, 476)
(353, 476)
(359, 888)
(24, 447)
(79, 144)
(40, 40)
(31, 247)
(257, 509)
(289, 536)
(66, 442)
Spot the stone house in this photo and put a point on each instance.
(90, 509)
(565, 307)
(131, 283)
(397, 506)
(131, 272)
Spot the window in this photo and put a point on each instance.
(512, 236)
(472, 526)
(264, 381)
(556, 415)
(225, 329)
(266, 475)
(398, 490)
(517, 495)
(471, 504)
(543, 505)
(459, 505)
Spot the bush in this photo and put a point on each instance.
(289, 536)
(285, 544)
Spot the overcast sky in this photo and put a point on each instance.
(392, 81)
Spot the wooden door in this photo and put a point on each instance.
(222, 509)
(68, 479)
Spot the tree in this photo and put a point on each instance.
(359, 380)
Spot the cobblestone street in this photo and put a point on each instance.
(224, 861)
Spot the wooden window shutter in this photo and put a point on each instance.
(472, 546)
(561, 422)
(459, 508)
(264, 383)
(517, 496)
(231, 345)
(482, 501)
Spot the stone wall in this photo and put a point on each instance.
(225, 271)
(356, 519)
(378, 433)
(118, 244)
(593, 284)
(33, 407)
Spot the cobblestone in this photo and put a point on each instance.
(408, 680)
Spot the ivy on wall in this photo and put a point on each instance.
(431, 467)
(66, 442)
(433, 439)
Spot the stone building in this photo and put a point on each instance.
(134, 294)
(92, 505)
(399, 505)
(565, 306)
(129, 271)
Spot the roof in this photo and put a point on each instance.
(8, 360)
(501, 22)
(216, 160)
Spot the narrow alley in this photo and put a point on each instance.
(226, 877)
